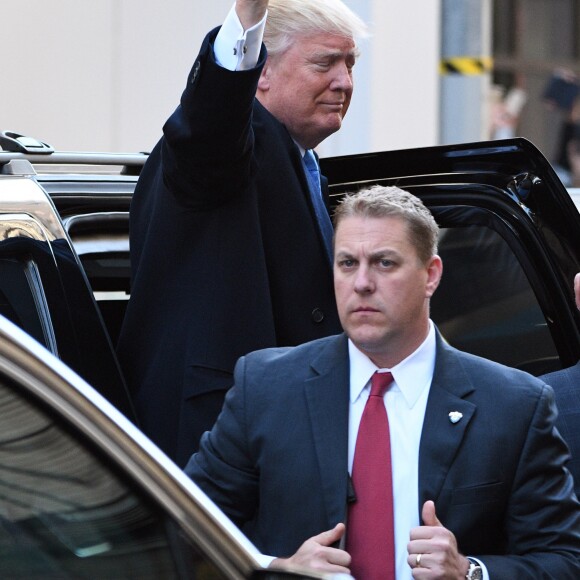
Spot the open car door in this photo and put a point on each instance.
(510, 244)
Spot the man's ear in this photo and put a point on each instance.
(264, 81)
(434, 273)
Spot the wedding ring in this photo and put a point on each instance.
(418, 560)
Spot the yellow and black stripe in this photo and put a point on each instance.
(466, 65)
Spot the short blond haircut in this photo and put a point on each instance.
(379, 201)
(289, 19)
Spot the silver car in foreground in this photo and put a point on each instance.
(84, 494)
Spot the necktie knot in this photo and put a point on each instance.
(380, 382)
(310, 162)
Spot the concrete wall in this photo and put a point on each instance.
(103, 76)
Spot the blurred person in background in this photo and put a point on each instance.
(562, 93)
(506, 110)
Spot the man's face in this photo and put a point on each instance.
(308, 87)
(382, 288)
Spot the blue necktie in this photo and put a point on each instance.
(313, 175)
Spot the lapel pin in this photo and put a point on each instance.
(455, 416)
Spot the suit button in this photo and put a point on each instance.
(317, 315)
(195, 72)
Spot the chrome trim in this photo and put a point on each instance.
(95, 217)
(39, 297)
(77, 158)
(98, 241)
(26, 199)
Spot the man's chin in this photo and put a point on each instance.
(331, 126)
(367, 341)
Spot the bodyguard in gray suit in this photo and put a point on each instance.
(478, 486)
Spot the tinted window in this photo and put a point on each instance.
(485, 304)
(65, 513)
(109, 275)
(22, 300)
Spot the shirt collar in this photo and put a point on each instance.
(412, 375)
(300, 148)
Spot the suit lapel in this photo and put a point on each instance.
(327, 395)
(441, 438)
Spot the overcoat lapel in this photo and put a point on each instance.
(441, 438)
(327, 394)
(263, 117)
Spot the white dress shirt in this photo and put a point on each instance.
(405, 401)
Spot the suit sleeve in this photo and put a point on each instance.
(208, 141)
(223, 468)
(542, 523)
(565, 383)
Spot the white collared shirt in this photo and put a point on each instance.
(405, 401)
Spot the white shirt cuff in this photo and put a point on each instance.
(236, 49)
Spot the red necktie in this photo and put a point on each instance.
(370, 538)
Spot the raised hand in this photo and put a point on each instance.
(250, 12)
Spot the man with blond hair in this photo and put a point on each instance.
(230, 234)
(384, 451)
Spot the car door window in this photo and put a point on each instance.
(22, 300)
(485, 304)
(66, 513)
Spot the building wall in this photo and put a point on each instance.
(104, 76)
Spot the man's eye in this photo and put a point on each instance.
(346, 263)
(385, 263)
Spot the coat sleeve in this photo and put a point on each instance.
(223, 467)
(208, 141)
(565, 383)
(542, 521)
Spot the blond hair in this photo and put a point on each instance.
(379, 201)
(289, 19)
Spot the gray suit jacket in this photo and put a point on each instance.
(276, 460)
